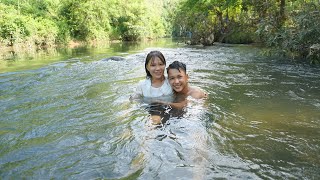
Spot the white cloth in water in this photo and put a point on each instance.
(146, 90)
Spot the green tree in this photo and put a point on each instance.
(86, 19)
(20, 25)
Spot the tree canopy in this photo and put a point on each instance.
(47, 22)
(290, 27)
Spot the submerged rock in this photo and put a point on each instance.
(114, 58)
(314, 53)
(207, 41)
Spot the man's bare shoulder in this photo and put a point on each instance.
(197, 93)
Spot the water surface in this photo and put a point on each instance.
(72, 119)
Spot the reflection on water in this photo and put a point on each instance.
(73, 119)
(25, 59)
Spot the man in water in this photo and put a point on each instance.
(178, 80)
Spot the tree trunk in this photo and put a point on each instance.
(282, 16)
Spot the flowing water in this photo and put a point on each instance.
(70, 117)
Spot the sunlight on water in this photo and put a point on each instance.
(72, 119)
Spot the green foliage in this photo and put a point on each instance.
(42, 31)
(138, 19)
(194, 17)
(11, 25)
(291, 27)
(63, 36)
(127, 19)
(295, 37)
(47, 22)
(17, 28)
(203, 18)
(245, 36)
(86, 19)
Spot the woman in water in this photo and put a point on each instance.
(155, 84)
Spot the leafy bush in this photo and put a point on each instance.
(16, 28)
(297, 35)
(12, 25)
(46, 22)
(240, 37)
(42, 31)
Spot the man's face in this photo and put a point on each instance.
(178, 79)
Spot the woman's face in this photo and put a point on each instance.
(178, 79)
(156, 68)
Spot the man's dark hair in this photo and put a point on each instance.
(177, 65)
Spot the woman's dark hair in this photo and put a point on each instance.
(177, 65)
(151, 56)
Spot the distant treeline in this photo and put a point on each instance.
(48, 22)
(290, 27)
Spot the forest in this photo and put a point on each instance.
(289, 28)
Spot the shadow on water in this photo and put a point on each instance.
(72, 118)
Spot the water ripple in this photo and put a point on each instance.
(73, 120)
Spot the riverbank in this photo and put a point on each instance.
(20, 51)
(19, 58)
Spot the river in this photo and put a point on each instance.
(67, 115)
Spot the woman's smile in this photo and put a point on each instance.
(156, 68)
